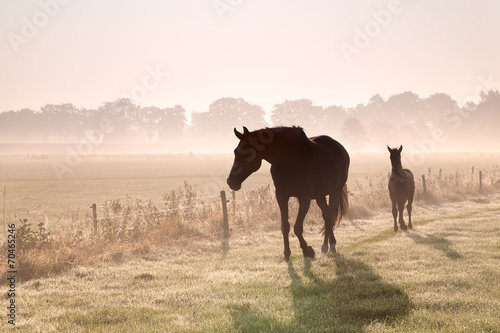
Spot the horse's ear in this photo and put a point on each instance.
(400, 148)
(245, 131)
(389, 149)
(238, 134)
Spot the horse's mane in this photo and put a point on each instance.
(283, 128)
(287, 129)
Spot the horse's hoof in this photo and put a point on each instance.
(395, 228)
(404, 227)
(308, 252)
(287, 255)
(410, 226)
(324, 249)
(333, 249)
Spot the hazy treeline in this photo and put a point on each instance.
(403, 118)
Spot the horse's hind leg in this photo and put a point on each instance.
(285, 225)
(299, 227)
(409, 209)
(395, 215)
(324, 210)
(333, 212)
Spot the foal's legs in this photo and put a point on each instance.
(409, 208)
(401, 207)
(299, 227)
(395, 215)
(285, 225)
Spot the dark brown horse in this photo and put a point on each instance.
(401, 189)
(301, 167)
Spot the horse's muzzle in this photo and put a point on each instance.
(233, 185)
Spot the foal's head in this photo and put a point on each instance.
(246, 159)
(395, 156)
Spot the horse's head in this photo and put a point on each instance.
(395, 155)
(246, 160)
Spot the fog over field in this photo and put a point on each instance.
(425, 125)
(117, 123)
(176, 77)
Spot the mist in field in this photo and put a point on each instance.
(177, 77)
(428, 124)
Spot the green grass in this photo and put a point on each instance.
(441, 277)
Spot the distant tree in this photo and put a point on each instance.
(403, 108)
(123, 116)
(375, 110)
(149, 122)
(403, 118)
(172, 123)
(354, 134)
(21, 126)
(382, 133)
(231, 112)
(480, 125)
(215, 127)
(437, 109)
(376, 101)
(62, 122)
(299, 112)
(333, 120)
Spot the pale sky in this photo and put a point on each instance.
(188, 52)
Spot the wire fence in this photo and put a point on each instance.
(120, 227)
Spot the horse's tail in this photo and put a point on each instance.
(343, 206)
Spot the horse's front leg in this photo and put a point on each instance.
(395, 215)
(285, 225)
(299, 227)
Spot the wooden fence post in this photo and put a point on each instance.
(225, 223)
(480, 181)
(94, 214)
(423, 184)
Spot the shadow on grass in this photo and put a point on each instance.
(357, 298)
(439, 243)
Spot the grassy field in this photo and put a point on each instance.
(34, 191)
(441, 277)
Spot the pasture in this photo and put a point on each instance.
(443, 276)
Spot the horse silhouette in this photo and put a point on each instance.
(401, 189)
(301, 167)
